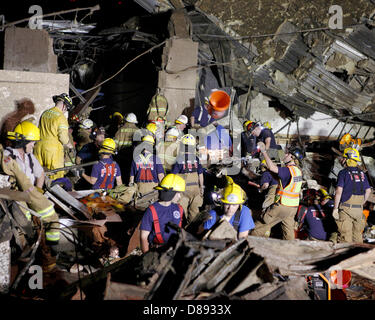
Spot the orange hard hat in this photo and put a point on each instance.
(219, 100)
(346, 139)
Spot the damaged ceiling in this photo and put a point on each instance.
(283, 50)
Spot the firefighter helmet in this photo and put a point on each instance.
(152, 127)
(296, 152)
(233, 194)
(352, 154)
(324, 194)
(86, 124)
(182, 119)
(25, 131)
(173, 132)
(245, 124)
(252, 125)
(188, 139)
(132, 118)
(149, 139)
(108, 146)
(267, 125)
(65, 99)
(172, 182)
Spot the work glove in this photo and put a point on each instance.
(78, 172)
(335, 214)
(261, 146)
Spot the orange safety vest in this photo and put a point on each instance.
(159, 238)
(289, 196)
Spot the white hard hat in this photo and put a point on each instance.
(182, 119)
(131, 117)
(172, 132)
(86, 124)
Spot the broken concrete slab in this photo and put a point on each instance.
(26, 49)
(37, 86)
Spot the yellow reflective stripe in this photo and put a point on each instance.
(160, 109)
(126, 143)
(28, 215)
(127, 130)
(45, 213)
(63, 127)
(53, 236)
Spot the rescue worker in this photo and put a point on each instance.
(124, 135)
(90, 151)
(146, 168)
(266, 136)
(233, 210)
(153, 231)
(158, 107)
(19, 179)
(180, 124)
(22, 141)
(188, 166)
(287, 195)
(269, 182)
(116, 121)
(200, 116)
(352, 192)
(54, 135)
(84, 133)
(150, 130)
(169, 150)
(106, 172)
(248, 140)
(219, 144)
(316, 219)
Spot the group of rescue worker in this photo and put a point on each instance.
(164, 156)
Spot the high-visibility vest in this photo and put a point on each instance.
(158, 236)
(289, 196)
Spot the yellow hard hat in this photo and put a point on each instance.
(108, 145)
(267, 125)
(245, 124)
(233, 194)
(25, 131)
(325, 194)
(64, 97)
(188, 139)
(172, 182)
(149, 139)
(346, 139)
(116, 115)
(352, 154)
(152, 127)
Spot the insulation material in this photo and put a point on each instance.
(4, 266)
